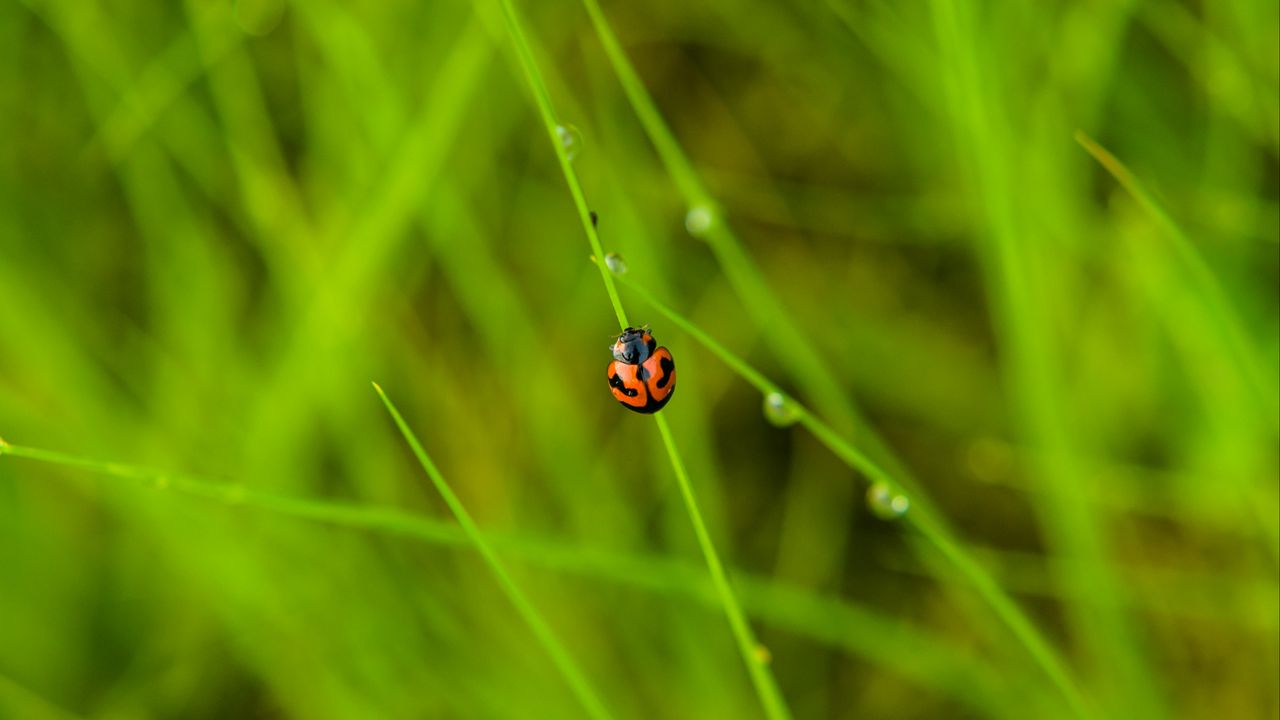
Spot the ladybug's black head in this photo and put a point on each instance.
(634, 346)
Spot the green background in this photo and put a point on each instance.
(219, 222)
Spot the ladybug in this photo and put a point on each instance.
(642, 375)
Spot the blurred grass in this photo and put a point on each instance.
(565, 141)
(787, 411)
(218, 222)
(565, 664)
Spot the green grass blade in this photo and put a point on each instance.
(374, 518)
(542, 99)
(572, 674)
(921, 516)
(1012, 256)
(1225, 323)
(805, 365)
(932, 663)
(664, 141)
(1206, 283)
(806, 368)
(761, 676)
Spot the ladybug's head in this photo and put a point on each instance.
(634, 346)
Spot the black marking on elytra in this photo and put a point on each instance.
(643, 373)
(654, 406)
(616, 382)
(668, 367)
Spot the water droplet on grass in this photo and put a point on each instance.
(570, 140)
(780, 411)
(615, 263)
(698, 220)
(886, 504)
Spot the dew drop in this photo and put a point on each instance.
(780, 411)
(615, 263)
(886, 504)
(698, 220)
(570, 140)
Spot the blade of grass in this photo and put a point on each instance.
(795, 351)
(921, 516)
(1206, 283)
(267, 189)
(827, 620)
(761, 676)
(1011, 255)
(542, 99)
(747, 645)
(576, 680)
(159, 86)
(1223, 599)
(367, 243)
(1224, 323)
(344, 515)
(797, 354)
(805, 366)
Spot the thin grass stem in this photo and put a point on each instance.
(761, 675)
(542, 99)
(563, 662)
(794, 349)
(1226, 320)
(763, 680)
(1202, 276)
(921, 516)
(826, 619)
